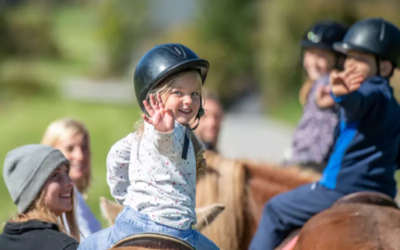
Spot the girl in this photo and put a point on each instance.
(37, 178)
(161, 194)
(314, 136)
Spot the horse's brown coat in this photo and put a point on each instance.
(352, 227)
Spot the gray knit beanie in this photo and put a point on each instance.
(26, 170)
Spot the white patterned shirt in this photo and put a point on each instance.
(161, 183)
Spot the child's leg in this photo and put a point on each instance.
(202, 242)
(97, 241)
(130, 223)
(289, 211)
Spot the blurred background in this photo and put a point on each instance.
(77, 58)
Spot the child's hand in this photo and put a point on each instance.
(162, 119)
(345, 82)
(323, 97)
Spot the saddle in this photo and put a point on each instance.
(369, 198)
(153, 241)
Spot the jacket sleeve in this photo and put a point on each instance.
(356, 104)
(166, 144)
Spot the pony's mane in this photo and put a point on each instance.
(224, 183)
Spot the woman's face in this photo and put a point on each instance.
(58, 191)
(77, 150)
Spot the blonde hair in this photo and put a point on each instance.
(63, 129)
(163, 88)
(40, 211)
(304, 91)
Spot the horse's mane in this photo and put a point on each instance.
(224, 183)
(242, 186)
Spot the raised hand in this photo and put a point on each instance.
(345, 82)
(162, 119)
(323, 97)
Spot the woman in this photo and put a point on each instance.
(72, 139)
(37, 179)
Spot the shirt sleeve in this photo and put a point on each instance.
(118, 159)
(167, 144)
(356, 104)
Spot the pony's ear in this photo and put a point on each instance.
(206, 215)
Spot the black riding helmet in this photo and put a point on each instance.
(375, 36)
(161, 62)
(322, 35)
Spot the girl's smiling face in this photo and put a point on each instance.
(58, 191)
(184, 97)
(318, 62)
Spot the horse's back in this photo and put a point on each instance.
(353, 226)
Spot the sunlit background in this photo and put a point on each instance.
(77, 58)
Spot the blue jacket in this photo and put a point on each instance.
(365, 152)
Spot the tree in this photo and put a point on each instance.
(228, 27)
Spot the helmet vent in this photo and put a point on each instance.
(382, 34)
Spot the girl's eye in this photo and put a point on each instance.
(195, 93)
(177, 92)
(55, 175)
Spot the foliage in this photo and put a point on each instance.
(122, 25)
(227, 31)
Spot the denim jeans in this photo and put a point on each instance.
(129, 222)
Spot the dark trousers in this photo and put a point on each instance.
(289, 211)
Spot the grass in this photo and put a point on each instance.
(25, 122)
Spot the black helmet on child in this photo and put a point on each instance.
(161, 62)
(322, 35)
(375, 36)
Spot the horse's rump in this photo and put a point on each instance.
(352, 226)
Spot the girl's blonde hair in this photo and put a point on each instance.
(164, 88)
(40, 211)
(304, 91)
(63, 129)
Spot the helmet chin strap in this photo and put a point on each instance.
(187, 134)
(378, 66)
(200, 113)
(186, 141)
(198, 116)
